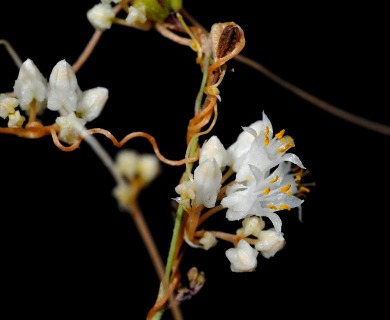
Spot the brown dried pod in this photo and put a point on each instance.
(227, 40)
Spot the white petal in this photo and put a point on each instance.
(207, 178)
(243, 258)
(91, 103)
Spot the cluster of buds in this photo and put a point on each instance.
(33, 94)
(141, 14)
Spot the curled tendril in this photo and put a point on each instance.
(119, 144)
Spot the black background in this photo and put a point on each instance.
(68, 250)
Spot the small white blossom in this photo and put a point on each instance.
(63, 90)
(7, 105)
(136, 16)
(70, 127)
(251, 226)
(101, 16)
(208, 240)
(91, 103)
(15, 120)
(30, 85)
(213, 148)
(148, 167)
(186, 190)
(243, 258)
(127, 162)
(123, 194)
(207, 179)
(270, 241)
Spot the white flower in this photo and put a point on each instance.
(270, 241)
(30, 85)
(15, 120)
(262, 196)
(243, 258)
(7, 105)
(213, 148)
(91, 103)
(101, 16)
(70, 127)
(63, 90)
(207, 179)
(208, 240)
(264, 152)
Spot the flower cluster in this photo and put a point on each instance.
(33, 94)
(264, 184)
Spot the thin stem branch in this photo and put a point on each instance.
(151, 247)
(339, 113)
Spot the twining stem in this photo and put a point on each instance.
(180, 210)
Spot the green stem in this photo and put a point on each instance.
(180, 209)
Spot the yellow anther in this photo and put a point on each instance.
(280, 134)
(274, 179)
(271, 206)
(285, 188)
(286, 147)
(266, 139)
(304, 189)
(267, 190)
(284, 207)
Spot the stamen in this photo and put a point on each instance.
(285, 188)
(274, 179)
(271, 206)
(266, 139)
(280, 134)
(267, 190)
(284, 207)
(286, 147)
(303, 189)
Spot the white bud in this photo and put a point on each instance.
(148, 167)
(123, 194)
(137, 18)
(30, 85)
(101, 16)
(70, 127)
(91, 103)
(15, 120)
(214, 149)
(208, 240)
(63, 88)
(207, 178)
(243, 258)
(127, 163)
(270, 242)
(7, 105)
(251, 226)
